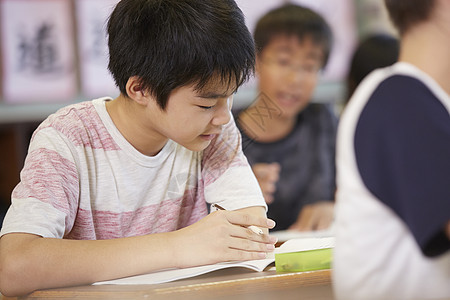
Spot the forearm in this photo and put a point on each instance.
(29, 262)
(316, 216)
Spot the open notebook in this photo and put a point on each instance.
(176, 274)
(301, 243)
(285, 235)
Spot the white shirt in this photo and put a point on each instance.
(83, 180)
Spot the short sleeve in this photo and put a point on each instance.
(402, 148)
(227, 176)
(47, 194)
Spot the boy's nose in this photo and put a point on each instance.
(223, 113)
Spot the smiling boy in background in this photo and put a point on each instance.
(289, 141)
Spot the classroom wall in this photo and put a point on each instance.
(54, 51)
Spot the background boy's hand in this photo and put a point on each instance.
(317, 216)
(267, 176)
(222, 236)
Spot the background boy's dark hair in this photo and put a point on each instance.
(293, 20)
(173, 43)
(405, 13)
(375, 51)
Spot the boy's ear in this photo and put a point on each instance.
(136, 92)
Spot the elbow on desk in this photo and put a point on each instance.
(12, 276)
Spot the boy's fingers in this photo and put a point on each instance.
(268, 187)
(249, 234)
(269, 171)
(275, 169)
(240, 255)
(268, 197)
(244, 219)
(260, 172)
(275, 166)
(272, 176)
(251, 246)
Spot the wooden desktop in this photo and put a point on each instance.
(234, 284)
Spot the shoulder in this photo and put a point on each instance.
(320, 117)
(402, 93)
(396, 93)
(321, 110)
(403, 113)
(78, 123)
(402, 104)
(69, 114)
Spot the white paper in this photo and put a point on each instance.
(306, 244)
(92, 16)
(38, 51)
(285, 235)
(176, 274)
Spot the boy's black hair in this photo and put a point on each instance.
(173, 43)
(375, 51)
(293, 20)
(405, 13)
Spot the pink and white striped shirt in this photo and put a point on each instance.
(83, 180)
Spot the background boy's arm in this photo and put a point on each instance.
(267, 176)
(316, 216)
(29, 262)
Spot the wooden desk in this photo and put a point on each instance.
(230, 284)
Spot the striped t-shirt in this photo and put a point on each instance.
(83, 180)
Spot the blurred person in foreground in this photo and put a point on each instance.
(393, 164)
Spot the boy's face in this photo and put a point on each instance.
(288, 72)
(193, 118)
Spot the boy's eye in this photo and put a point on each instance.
(283, 62)
(205, 107)
(310, 68)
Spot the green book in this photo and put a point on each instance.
(304, 254)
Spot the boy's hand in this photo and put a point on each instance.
(316, 216)
(223, 236)
(267, 176)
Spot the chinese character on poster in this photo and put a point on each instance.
(92, 16)
(38, 54)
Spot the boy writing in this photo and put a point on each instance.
(113, 188)
(393, 196)
(289, 141)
